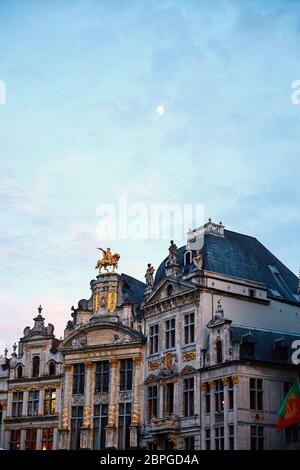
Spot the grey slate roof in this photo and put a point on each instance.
(243, 257)
(266, 344)
(133, 290)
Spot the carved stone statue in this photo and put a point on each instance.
(198, 260)
(108, 259)
(172, 253)
(149, 275)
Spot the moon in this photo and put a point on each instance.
(160, 110)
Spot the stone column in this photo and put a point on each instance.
(136, 411)
(25, 403)
(39, 439)
(64, 431)
(9, 404)
(86, 429)
(226, 406)
(212, 387)
(161, 404)
(41, 401)
(2, 434)
(203, 415)
(22, 439)
(235, 409)
(111, 428)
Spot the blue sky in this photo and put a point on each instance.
(80, 128)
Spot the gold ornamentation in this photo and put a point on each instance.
(137, 361)
(135, 420)
(153, 365)
(189, 356)
(67, 367)
(96, 302)
(4, 405)
(203, 387)
(113, 363)
(89, 365)
(212, 384)
(108, 259)
(168, 360)
(111, 301)
(235, 379)
(225, 381)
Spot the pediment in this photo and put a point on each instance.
(161, 291)
(104, 334)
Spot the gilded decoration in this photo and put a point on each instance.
(189, 356)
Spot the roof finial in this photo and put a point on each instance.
(5, 352)
(219, 309)
(14, 349)
(40, 309)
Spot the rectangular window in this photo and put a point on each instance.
(256, 394)
(257, 437)
(124, 425)
(30, 440)
(169, 399)
(219, 437)
(188, 397)
(189, 443)
(230, 394)
(102, 377)
(76, 423)
(17, 404)
(207, 398)
(152, 401)
(126, 371)
(292, 434)
(170, 334)
(219, 396)
(78, 379)
(189, 328)
(100, 423)
(207, 438)
(49, 401)
(15, 439)
(47, 439)
(153, 339)
(231, 436)
(33, 403)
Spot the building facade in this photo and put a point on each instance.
(198, 357)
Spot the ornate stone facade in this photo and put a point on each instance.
(200, 357)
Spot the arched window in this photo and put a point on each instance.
(219, 351)
(35, 366)
(170, 290)
(187, 258)
(52, 368)
(19, 372)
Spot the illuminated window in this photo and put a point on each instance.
(30, 440)
(33, 403)
(15, 438)
(47, 439)
(49, 401)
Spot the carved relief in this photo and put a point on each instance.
(125, 396)
(153, 365)
(189, 356)
(101, 398)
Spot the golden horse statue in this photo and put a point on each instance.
(108, 259)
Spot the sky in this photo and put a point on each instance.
(80, 128)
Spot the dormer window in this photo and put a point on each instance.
(35, 366)
(52, 368)
(187, 258)
(19, 372)
(252, 293)
(219, 354)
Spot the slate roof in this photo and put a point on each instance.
(133, 289)
(267, 345)
(243, 257)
